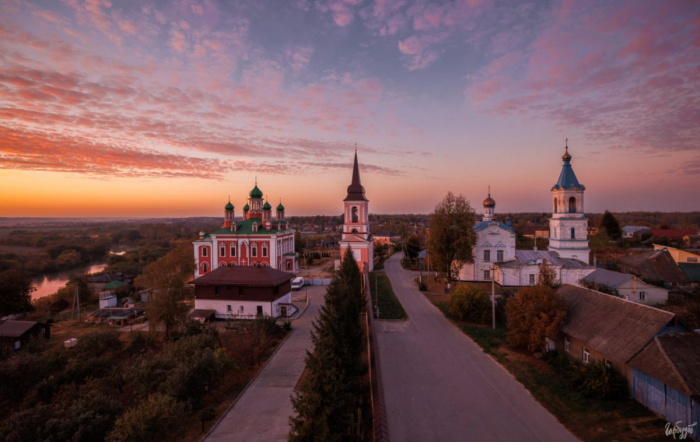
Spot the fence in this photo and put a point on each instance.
(318, 281)
(379, 423)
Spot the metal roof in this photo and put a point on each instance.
(608, 278)
(691, 270)
(534, 256)
(567, 178)
(262, 276)
(15, 329)
(673, 359)
(484, 224)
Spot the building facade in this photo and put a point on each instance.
(568, 227)
(259, 239)
(356, 234)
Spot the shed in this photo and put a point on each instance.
(15, 334)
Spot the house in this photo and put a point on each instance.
(680, 255)
(603, 327)
(665, 377)
(384, 237)
(628, 286)
(672, 234)
(632, 231)
(691, 241)
(15, 334)
(100, 282)
(525, 268)
(655, 267)
(244, 292)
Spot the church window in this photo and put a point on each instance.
(233, 250)
(254, 251)
(354, 215)
(487, 255)
(573, 233)
(532, 279)
(204, 251)
(499, 255)
(223, 264)
(264, 250)
(353, 231)
(556, 206)
(204, 268)
(572, 205)
(222, 250)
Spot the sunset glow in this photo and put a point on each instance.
(131, 108)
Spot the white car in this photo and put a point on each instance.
(297, 283)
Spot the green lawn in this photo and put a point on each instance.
(389, 305)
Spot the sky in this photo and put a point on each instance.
(168, 108)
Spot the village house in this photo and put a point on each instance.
(655, 267)
(384, 237)
(629, 287)
(16, 334)
(243, 292)
(687, 261)
(632, 231)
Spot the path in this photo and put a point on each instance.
(262, 412)
(440, 386)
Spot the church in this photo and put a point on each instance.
(356, 235)
(568, 253)
(257, 240)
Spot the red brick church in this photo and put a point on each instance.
(258, 240)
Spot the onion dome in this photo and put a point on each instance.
(267, 206)
(229, 206)
(489, 202)
(246, 208)
(280, 207)
(566, 156)
(256, 193)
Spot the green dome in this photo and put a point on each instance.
(280, 207)
(229, 206)
(256, 193)
(246, 208)
(267, 206)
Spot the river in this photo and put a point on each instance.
(49, 283)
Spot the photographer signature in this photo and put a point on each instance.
(682, 432)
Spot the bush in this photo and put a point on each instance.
(535, 313)
(150, 420)
(99, 342)
(599, 380)
(469, 303)
(421, 285)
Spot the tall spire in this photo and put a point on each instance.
(355, 190)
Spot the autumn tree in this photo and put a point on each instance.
(535, 313)
(468, 302)
(452, 237)
(15, 292)
(547, 276)
(168, 277)
(412, 247)
(152, 419)
(611, 226)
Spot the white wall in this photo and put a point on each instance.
(492, 238)
(520, 276)
(249, 307)
(653, 295)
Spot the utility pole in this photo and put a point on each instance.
(493, 295)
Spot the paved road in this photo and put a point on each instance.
(262, 412)
(440, 386)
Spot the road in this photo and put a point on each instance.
(262, 412)
(440, 386)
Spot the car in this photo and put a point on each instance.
(297, 283)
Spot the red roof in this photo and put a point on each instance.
(673, 233)
(262, 276)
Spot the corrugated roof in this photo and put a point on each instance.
(245, 227)
(674, 359)
(15, 329)
(617, 328)
(262, 276)
(533, 256)
(608, 278)
(655, 265)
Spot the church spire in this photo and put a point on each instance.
(355, 190)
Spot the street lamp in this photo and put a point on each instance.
(493, 295)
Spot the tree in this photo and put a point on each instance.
(412, 247)
(168, 276)
(611, 226)
(15, 292)
(547, 275)
(469, 303)
(152, 419)
(535, 313)
(452, 237)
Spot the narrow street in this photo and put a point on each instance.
(440, 386)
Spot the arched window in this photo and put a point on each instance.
(573, 233)
(223, 264)
(233, 250)
(354, 231)
(254, 251)
(204, 268)
(354, 214)
(572, 205)
(556, 206)
(264, 250)
(222, 250)
(205, 251)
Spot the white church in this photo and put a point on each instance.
(568, 253)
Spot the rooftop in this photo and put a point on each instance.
(15, 329)
(608, 278)
(263, 276)
(535, 256)
(617, 328)
(655, 265)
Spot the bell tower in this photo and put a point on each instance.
(356, 234)
(568, 227)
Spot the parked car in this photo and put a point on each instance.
(297, 283)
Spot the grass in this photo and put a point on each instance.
(389, 305)
(589, 419)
